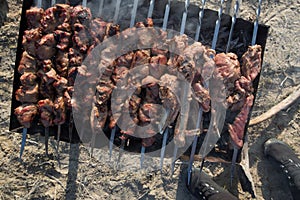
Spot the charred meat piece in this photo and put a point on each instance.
(125, 60)
(75, 57)
(30, 39)
(111, 30)
(47, 73)
(60, 85)
(98, 117)
(201, 93)
(56, 17)
(103, 91)
(251, 62)
(236, 130)
(227, 69)
(63, 39)
(33, 17)
(28, 94)
(26, 113)
(67, 97)
(82, 15)
(141, 57)
(147, 142)
(156, 65)
(62, 63)
(152, 89)
(27, 64)
(46, 47)
(98, 29)
(46, 90)
(81, 38)
(46, 112)
(119, 73)
(59, 111)
(28, 79)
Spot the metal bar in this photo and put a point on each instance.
(256, 23)
(101, 3)
(233, 20)
(184, 16)
(84, 2)
(143, 149)
(199, 119)
(166, 15)
(233, 161)
(39, 3)
(116, 16)
(151, 7)
(163, 149)
(201, 14)
(46, 140)
(217, 27)
(182, 28)
(24, 134)
(133, 13)
(53, 2)
(111, 141)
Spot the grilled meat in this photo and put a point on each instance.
(33, 17)
(28, 94)
(30, 40)
(45, 107)
(26, 113)
(59, 111)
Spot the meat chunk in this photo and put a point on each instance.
(63, 39)
(33, 17)
(46, 112)
(60, 85)
(251, 62)
(227, 69)
(59, 111)
(98, 29)
(25, 114)
(237, 129)
(28, 79)
(141, 57)
(75, 57)
(47, 73)
(46, 47)
(30, 39)
(27, 64)
(62, 63)
(81, 38)
(28, 94)
(82, 15)
(157, 63)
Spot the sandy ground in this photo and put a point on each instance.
(78, 176)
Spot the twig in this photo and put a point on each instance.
(277, 108)
(36, 184)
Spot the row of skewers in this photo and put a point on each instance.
(59, 39)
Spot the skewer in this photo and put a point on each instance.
(143, 149)
(111, 141)
(133, 13)
(199, 119)
(182, 28)
(58, 137)
(201, 14)
(233, 20)
(214, 42)
(163, 149)
(116, 16)
(39, 3)
(24, 134)
(100, 7)
(217, 27)
(166, 16)
(151, 7)
(53, 2)
(84, 2)
(233, 161)
(256, 23)
(46, 140)
(121, 152)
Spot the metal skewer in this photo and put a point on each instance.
(143, 149)
(46, 140)
(111, 141)
(151, 7)
(100, 7)
(182, 28)
(213, 46)
(133, 13)
(24, 134)
(116, 16)
(233, 20)
(166, 16)
(201, 14)
(84, 2)
(199, 119)
(256, 23)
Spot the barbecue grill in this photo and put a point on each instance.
(219, 31)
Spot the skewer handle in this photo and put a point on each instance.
(24, 134)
